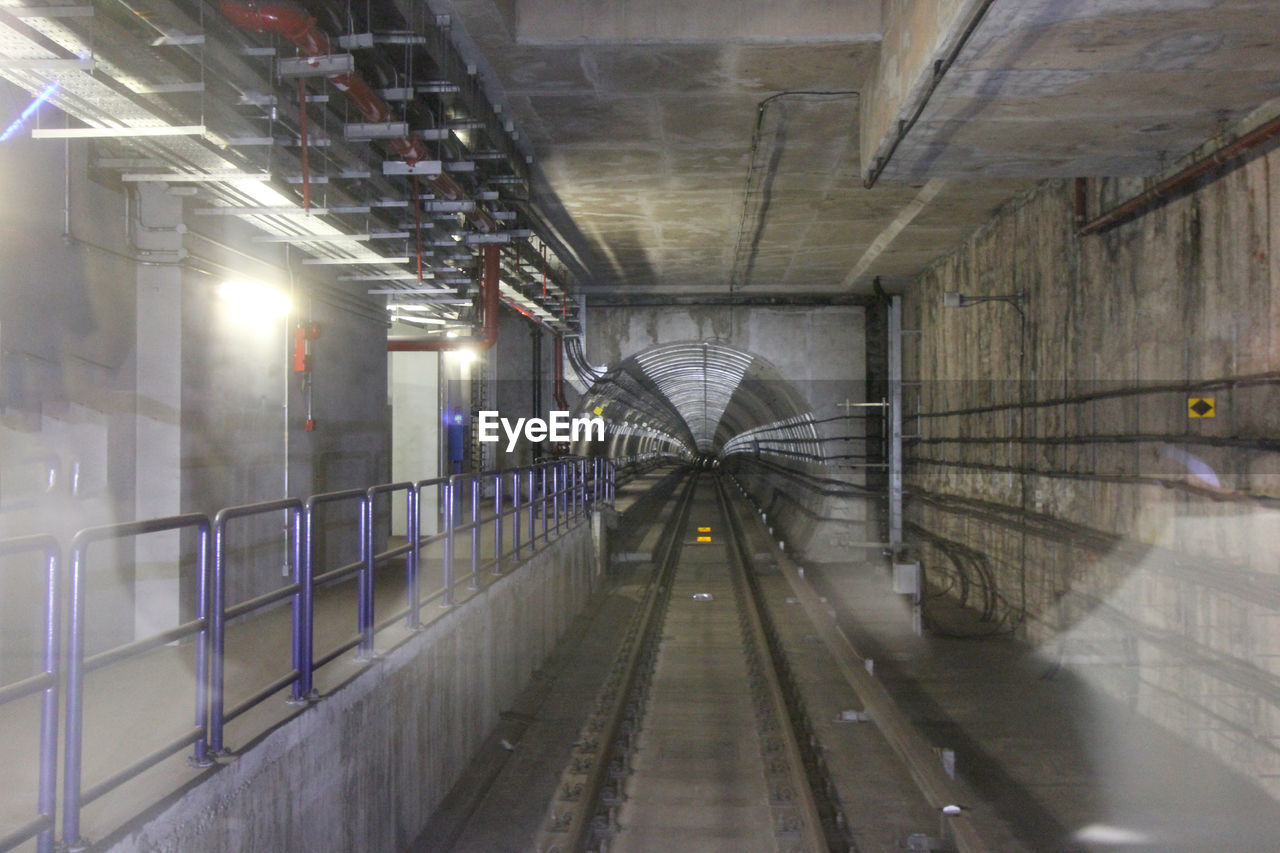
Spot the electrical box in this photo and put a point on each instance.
(906, 578)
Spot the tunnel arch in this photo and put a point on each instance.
(699, 399)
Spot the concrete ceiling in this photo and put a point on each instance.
(687, 153)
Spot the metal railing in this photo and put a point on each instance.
(558, 494)
(46, 682)
(74, 794)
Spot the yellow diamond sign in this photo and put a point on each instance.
(599, 410)
(1201, 407)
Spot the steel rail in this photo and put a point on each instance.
(754, 615)
(581, 790)
(906, 741)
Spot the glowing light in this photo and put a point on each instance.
(1099, 833)
(116, 132)
(254, 298)
(29, 111)
(463, 356)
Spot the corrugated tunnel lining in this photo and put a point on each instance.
(703, 393)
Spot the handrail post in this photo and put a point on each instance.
(515, 515)
(413, 560)
(75, 700)
(475, 532)
(575, 493)
(449, 543)
(302, 608)
(498, 510)
(47, 784)
(200, 756)
(556, 479)
(533, 531)
(542, 476)
(217, 633)
(364, 580)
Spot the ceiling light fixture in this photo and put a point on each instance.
(254, 298)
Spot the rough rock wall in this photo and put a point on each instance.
(1070, 494)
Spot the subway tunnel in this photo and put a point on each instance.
(864, 414)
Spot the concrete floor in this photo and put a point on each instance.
(699, 775)
(1061, 765)
(698, 780)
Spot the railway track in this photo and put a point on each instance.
(697, 740)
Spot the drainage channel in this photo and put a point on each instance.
(691, 743)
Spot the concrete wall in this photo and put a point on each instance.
(68, 414)
(413, 380)
(125, 379)
(364, 768)
(512, 370)
(818, 518)
(665, 21)
(1123, 535)
(917, 33)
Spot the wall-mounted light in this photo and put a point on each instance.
(462, 356)
(254, 299)
(953, 299)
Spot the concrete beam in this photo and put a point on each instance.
(577, 22)
(917, 34)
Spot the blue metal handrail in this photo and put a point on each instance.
(220, 613)
(573, 490)
(304, 623)
(74, 796)
(46, 682)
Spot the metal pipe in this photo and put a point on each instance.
(515, 515)
(449, 543)
(489, 318)
(46, 797)
(364, 581)
(414, 560)
(1164, 190)
(533, 531)
(302, 609)
(294, 24)
(542, 476)
(475, 532)
(498, 511)
(47, 684)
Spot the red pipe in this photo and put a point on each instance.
(300, 28)
(1160, 191)
(558, 361)
(489, 333)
